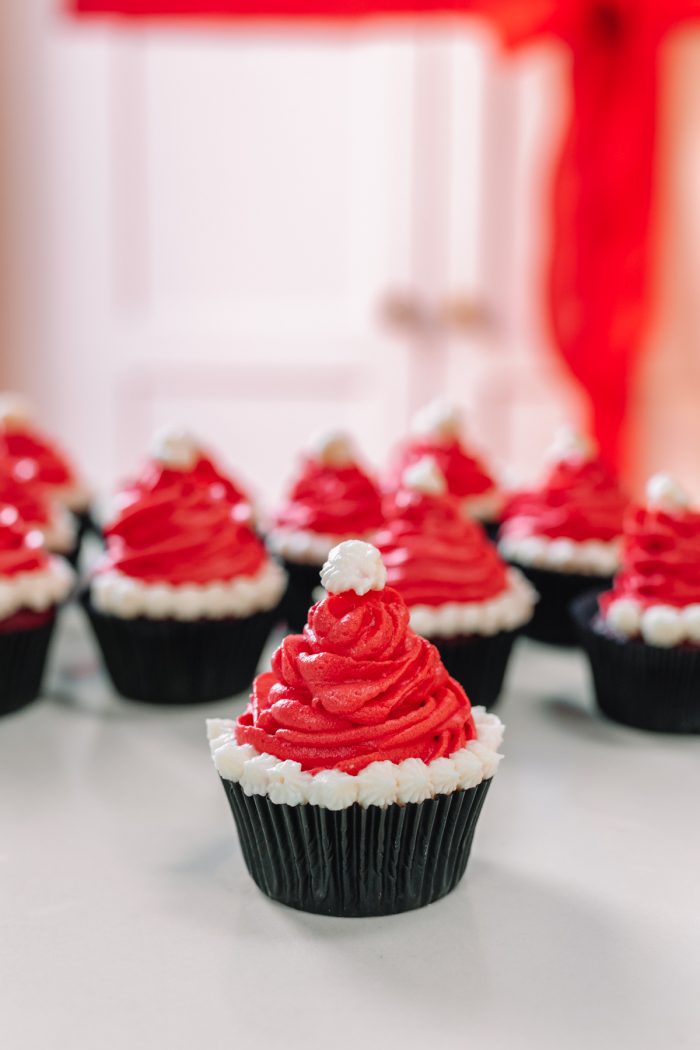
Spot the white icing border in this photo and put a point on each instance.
(116, 594)
(305, 546)
(379, 784)
(511, 608)
(664, 626)
(36, 590)
(591, 557)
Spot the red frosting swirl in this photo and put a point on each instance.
(434, 555)
(333, 500)
(30, 502)
(358, 686)
(580, 500)
(35, 459)
(464, 472)
(176, 531)
(205, 472)
(660, 559)
(20, 551)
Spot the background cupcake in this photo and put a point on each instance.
(565, 535)
(39, 513)
(185, 596)
(460, 594)
(643, 636)
(32, 585)
(436, 431)
(331, 500)
(357, 773)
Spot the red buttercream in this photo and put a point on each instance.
(20, 551)
(358, 686)
(660, 559)
(35, 459)
(205, 471)
(464, 472)
(580, 500)
(434, 555)
(29, 500)
(177, 531)
(337, 501)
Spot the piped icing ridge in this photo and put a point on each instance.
(37, 510)
(656, 594)
(29, 577)
(333, 498)
(436, 433)
(358, 686)
(579, 502)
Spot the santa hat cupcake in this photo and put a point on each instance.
(32, 586)
(460, 594)
(357, 773)
(185, 597)
(436, 431)
(332, 499)
(39, 513)
(643, 636)
(565, 535)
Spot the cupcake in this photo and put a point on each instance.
(565, 536)
(39, 513)
(332, 499)
(435, 432)
(197, 462)
(357, 772)
(32, 585)
(642, 637)
(185, 596)
(31, 457)
(460, 594)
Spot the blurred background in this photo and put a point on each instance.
(259, 229)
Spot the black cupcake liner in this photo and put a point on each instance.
(22, 662)
(302, 582)
(355, 861)
(551, 621)
(640, 685)
(180, 662)
(491, 528)
(478, 662)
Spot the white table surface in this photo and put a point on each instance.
(127, 919)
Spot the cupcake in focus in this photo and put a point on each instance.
(357, 773)
(38, 513)
(565, 536)
(460, 594)
(436, 431)
(32, 586)
(185, 596)
(642, 636)
(331, 500)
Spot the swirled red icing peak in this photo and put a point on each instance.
(660, 551)
(31, 502)
(434, 555)
(20, 551)
(174, 530)
(332, 495)
(579, 500)
(358, 686)
(31, 455)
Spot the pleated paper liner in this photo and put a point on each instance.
(551, 621)
(640, 685)
(491, 529)
(303, 581)
(357, 861)
(22, 662)
(478, 662)
(180, 662)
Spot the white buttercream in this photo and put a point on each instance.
(175, 447)
(116, 594)
(664, 626)
(664, 492)
(331, 448)
(354, 566)
(570, 443)
(510, 609)
(304, 546)
(440, 420)
(592, 557)
(36, 590)
(425, 476)
(379, 784)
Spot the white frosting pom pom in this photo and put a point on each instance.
(425, 476)
(353, 566)
(14, 410)
(440, 420)
(569, 443)
(662, 625)
(664, 492)
(624, 616)
(691, 623)
(176, 447)
(331, 448)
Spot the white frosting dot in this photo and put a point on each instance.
(331, 448)
(691, 621)
(176, 447)
(662, 625)
(14, 410)
(624, 616)
(570, 443)
(664, 492)
(425, 476)
(353, 566)
(440, 420)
